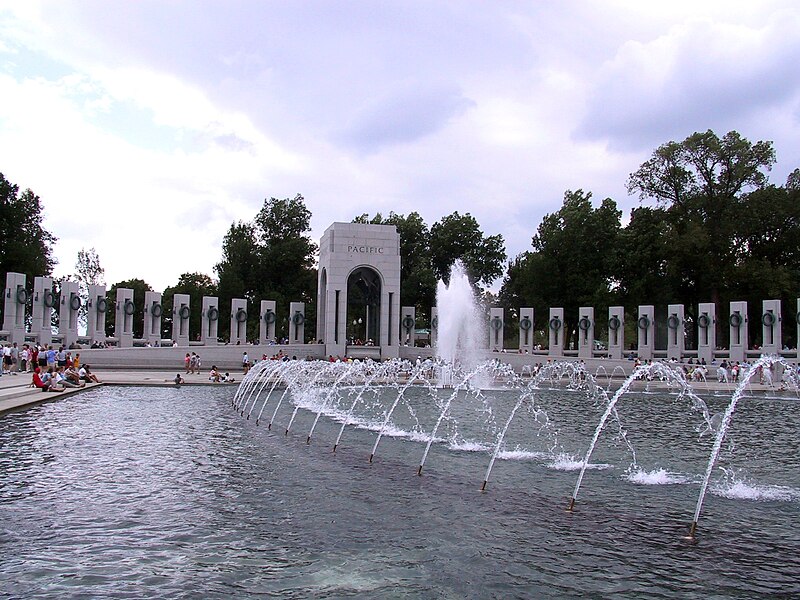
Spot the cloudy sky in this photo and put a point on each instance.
(148, 127)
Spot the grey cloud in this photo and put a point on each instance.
(403, 116)
(701, 86)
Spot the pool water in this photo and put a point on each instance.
(169, 492)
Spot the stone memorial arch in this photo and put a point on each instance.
(359, 288)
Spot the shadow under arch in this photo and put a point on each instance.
(364, 286)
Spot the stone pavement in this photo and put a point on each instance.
(16, 390)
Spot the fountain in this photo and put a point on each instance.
(459, 332)
(480, 395)
(182, 497)
(477, 403)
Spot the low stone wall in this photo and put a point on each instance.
(226, 358)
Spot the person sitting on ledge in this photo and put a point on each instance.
(65, 381)
(44, 383)
(72, 375)
(214, 374)
(86, 375)
(178, 380)
(227, 378)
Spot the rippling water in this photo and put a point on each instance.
(162, 492)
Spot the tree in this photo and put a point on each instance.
(767, 250)
(700, 182)
(196, 285)
(139, 287)
(87, 272)
(457, 237)
(572, 262)
(645, 271)
(271, 258)
(25, 246)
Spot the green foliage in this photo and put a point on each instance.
(139, 287)
(457, 237)
(196, 285)
(572, 260)
(270, 258)
(717, 232)
(700, 182)
(25, 246)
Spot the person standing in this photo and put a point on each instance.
(51, 358)
(24, 357)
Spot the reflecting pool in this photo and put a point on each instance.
(170, 492)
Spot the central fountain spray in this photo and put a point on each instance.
(459, 333)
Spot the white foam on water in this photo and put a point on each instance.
(565, 462)
(468, 446)
(521, 455)
(656, 477)
(740, 490)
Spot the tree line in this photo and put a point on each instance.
(709, 228)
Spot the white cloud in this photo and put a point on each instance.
(146, 133)
(700, 74)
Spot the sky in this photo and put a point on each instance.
(147, 128)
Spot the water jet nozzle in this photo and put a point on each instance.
(571, 504)
(248, 416)
(334, 448)
(419, 471)
(257, 420)
(692, 530)
(308, 440)
(286, 433)
(370, 458)
(269, 426)
(483, 485)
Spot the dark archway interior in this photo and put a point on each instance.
(363, 306)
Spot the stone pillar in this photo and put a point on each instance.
(96, 309)
(209, 321)
(267, 321)
(738, 331)
(771, 326)
(706, 331)
(152, 318)
(556, 336)
(496, 329)
(434, 326)
(238, 321)
(390, 319)
(43, 302)
(16, 297)
(585, 332)
(616, 331)
(297, 322)
(180, 319)
(408, 323)
(526, 330)
(676, 338)
(68, 312)
(646, 326)
(123, 328)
